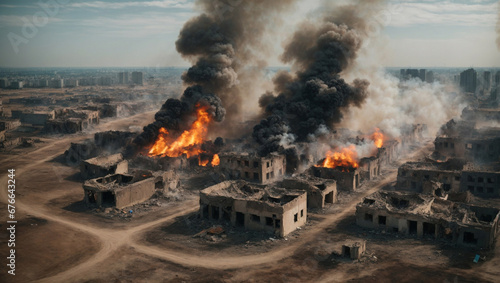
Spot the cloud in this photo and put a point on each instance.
(120, 5)
(19, 21)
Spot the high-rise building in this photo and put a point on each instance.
(487, 80)
(468, 80)
(137, 78)
(429, 77)
(123, 78)
(421, 74)
(57, 83)
(412, 73)
(16, 84)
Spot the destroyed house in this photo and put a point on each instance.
(118, 190)
(80, 151)
(255, 207)
(253, 168)
(481, 180)
(369, 167)
(348, 179)
(413, 175)
(388, 152)
(428, 216)
(103, 165)
(413, 133)
(319, 191)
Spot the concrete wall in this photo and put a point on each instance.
(347, 181)
(317, 194)
(253, 168)
(450, 147)
(135, 193)
(90, 171)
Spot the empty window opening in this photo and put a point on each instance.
(347, 251)
(357, 181)
(490, 190)
(255, 164)
(412, 227)
(277, 223)
(426, 177)
(247, 175)
(469, 238)
(470, 179)
(413, 185)
(480, 179)
(269, 221)
(267, 176)
(91, 197)
(490, 180)
(329, 197)
(480, 189)
(395, 229)
(295, 217)
(382, 220)
(240, 219)
(256, 176)
(267, 164)
(301, 213)
(255, 218)
(215, 212)
(108, 199)
(429, 229)
(247, 163)
(369, 217)
(471, 188)
(457, 178)
(226, 213)
(205, 211)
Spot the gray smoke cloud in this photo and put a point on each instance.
(220, 43)
(315, 95)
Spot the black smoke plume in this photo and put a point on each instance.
(315, 94)
(220, 42)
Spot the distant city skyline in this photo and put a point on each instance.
(420, 34)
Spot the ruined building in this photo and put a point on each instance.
(118, 190)
(413, 175)
(319, 191)
(255, 207)
(103, 165)
(348, 179)
(253, 168)
(425, 215)
(481, 180)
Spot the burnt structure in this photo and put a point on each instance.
(320, 192)
(370, 167)
(413, 175)
(103, 165)
(425, 215)
(118, 190)
(253, 168)
(255, 207)
(348, 179)
(481, 180)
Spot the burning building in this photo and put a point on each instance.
(255, 207)
(118, 190)
(425, 215)
(253, 168)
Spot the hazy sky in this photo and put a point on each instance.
(425, 33)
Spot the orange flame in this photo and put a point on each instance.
(188, 143)
(215, 160)
(378, 138)
(347, 157)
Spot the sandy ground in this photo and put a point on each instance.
(60, 241)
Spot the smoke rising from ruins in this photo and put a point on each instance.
(220, 42)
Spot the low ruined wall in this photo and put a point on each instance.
(135, 193)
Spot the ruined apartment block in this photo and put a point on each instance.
(255, 207)
(425, 215)
(320, 192)
(348, 179)
(253, 168)
(413, 175)
(481, 180)
(118, 190)
(103, 165)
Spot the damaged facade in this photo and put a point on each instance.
(425, 215)
(118, 190)
(319, 191)
(103, 165)
(253, 168)
(348, 179)
(481, 180)
(255, 207)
